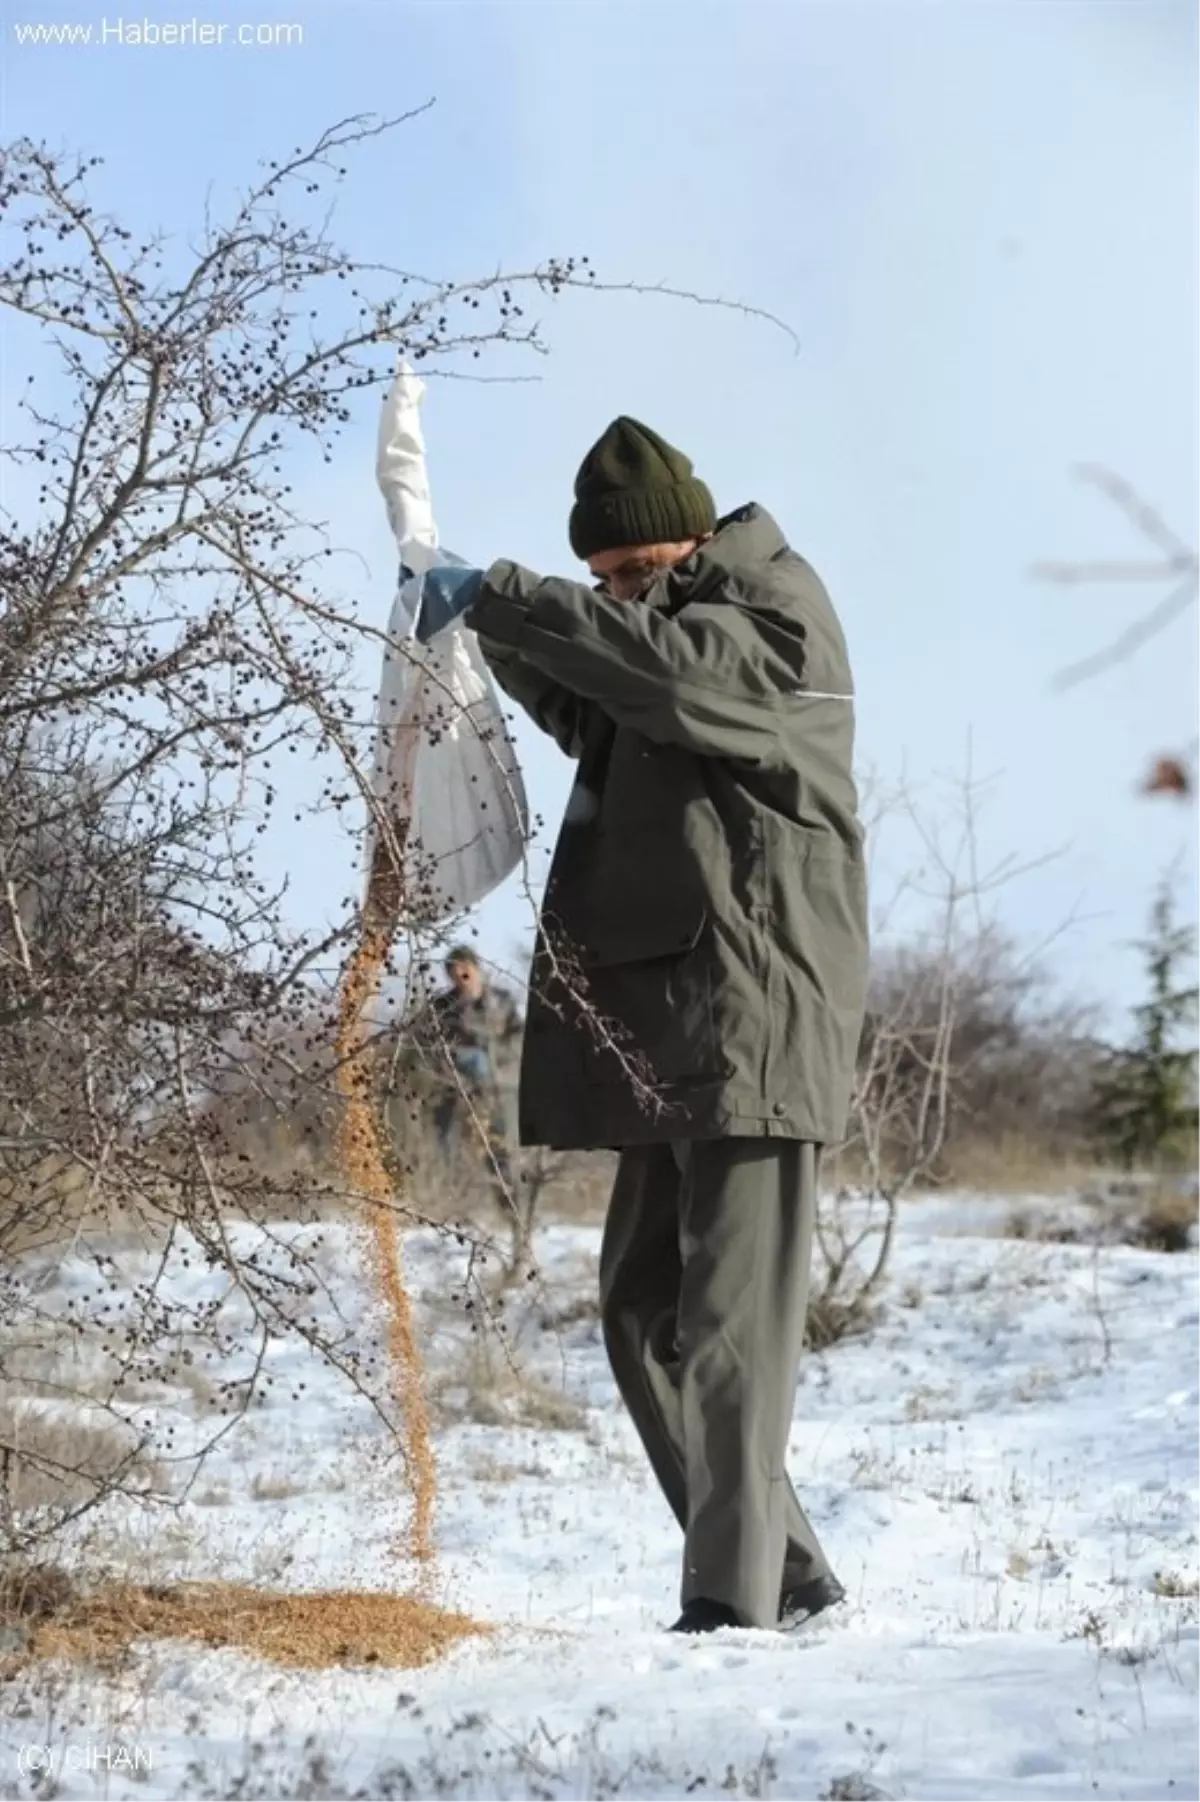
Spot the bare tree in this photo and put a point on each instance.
(944, 986)
(170, 640)
(167, 642)
(1175, 570)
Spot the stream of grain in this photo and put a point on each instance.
(362, 1159)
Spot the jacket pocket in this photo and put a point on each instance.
(663, 928)
(813, 892)
(648, 979)
(837, 895)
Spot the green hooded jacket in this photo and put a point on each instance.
(701, 962)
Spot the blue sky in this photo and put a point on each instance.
(979, 219)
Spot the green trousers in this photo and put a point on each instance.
(704, 1275)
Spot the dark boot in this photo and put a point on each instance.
(703, 1616)
(807, 1600)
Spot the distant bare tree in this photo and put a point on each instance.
(942, 998)
(1176, 569)
(1024, 1055)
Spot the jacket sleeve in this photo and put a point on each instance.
(715, 678)
(549, 705)
(510, 1018)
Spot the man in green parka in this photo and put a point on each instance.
(699, 979)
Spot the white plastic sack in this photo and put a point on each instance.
(443, 756)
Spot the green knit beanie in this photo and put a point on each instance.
(635, 488)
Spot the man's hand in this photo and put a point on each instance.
(447, 591)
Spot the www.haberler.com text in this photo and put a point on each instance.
(161, 34)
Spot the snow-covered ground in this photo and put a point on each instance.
(1005, 1472)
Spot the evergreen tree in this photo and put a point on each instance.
(1146, 1099)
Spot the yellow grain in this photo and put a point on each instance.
(362, 1157)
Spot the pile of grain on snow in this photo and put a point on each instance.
(316, 1631)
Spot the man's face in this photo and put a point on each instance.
(626, 573)
(467, 978)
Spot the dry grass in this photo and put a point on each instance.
(830, 1319)
(1045, 1226)
(523, 1401)
(213, 1495)
(850, 1786)
(316, 1631)
(579, 1193)
(208, 1395)
(57, 1461)
(1155, 1216)
(450, 1193)
(1163, 1219)
(582, 1310)
(44, 1202)
(931, 1401)
(490, 1392)
(34, 1592)
(988, 1166)
(481, 1755)
(294, 1192)
(1176, 1585)
(1014, 1165)
(277, 1486)
(486, 1467)
(462, 1189)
